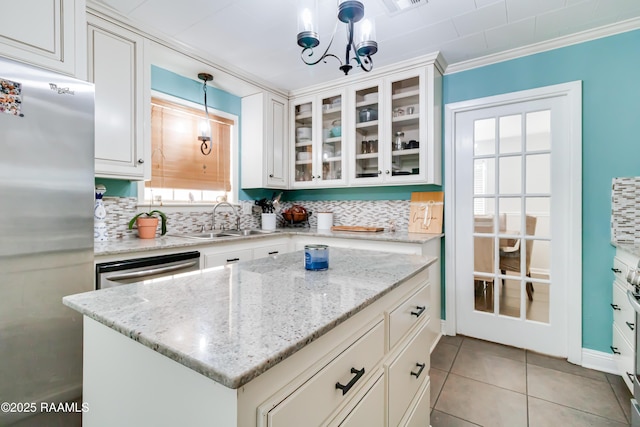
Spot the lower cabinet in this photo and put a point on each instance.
(367, 381)
(227, 257)
(229, 253)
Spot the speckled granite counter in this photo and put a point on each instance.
(633, 249)
(231, 324)
(123, 246)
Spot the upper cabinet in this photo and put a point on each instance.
(119, 68)
(319, 147)
(264, 141)
(49, 34)
(382, 130)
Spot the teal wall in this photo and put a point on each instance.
(608, 68)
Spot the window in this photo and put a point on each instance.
(179, 170)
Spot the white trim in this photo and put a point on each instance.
(573, 91)
(598, 360)
(557, 43)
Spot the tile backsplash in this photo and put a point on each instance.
(378, 213)
(625, 210)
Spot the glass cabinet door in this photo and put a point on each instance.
(367, 135)
(332, 140)
(303, 123)
(405, 128)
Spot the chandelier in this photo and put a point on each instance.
(360, 38)
(205, 127)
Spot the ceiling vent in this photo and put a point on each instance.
(396, 6)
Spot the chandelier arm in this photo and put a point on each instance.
(325, 54)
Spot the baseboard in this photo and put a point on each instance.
(599, 360)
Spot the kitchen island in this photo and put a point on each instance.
(253, 343)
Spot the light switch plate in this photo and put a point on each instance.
(246, 208)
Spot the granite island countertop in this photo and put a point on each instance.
(169, 241)
(233, 323)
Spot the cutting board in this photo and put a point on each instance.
(355, 228)
(425, 212)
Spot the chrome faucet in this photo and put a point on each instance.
(213, 219)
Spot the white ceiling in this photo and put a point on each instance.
(259, 36)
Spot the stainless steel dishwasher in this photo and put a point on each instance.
(117, 273)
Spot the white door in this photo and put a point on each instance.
(514, 220)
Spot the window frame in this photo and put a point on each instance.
(233, 195)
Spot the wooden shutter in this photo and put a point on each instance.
(176, 159)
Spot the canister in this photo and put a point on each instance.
(316, 257)
(325, 220)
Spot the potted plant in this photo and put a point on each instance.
(147, 223)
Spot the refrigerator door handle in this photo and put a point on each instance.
(151, 271)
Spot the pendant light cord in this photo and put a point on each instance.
(204, 147)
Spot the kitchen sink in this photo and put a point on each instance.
(212, 235)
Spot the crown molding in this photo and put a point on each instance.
(564, 41)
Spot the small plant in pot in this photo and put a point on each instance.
(147, 223)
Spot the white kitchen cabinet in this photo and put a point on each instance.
(369, 411)
(119, 67)
(318, 144)
(624, 317)
(49, 34)
(264, 141)
(229, 252)
(225, 257)
(397, 129)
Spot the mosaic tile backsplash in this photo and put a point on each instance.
(379, 213)
(625, 210)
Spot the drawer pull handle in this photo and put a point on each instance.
(616, 270)
(630, 325)
(417, 374)
(631, 377)
(346, 388)
(614, 349)
(615, 307)
(419, 312)
(233, 259)
(273, 252)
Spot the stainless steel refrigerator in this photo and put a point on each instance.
(46, 232)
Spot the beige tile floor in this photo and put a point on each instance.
(478, 383)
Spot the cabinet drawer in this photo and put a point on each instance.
(408, 313)
(623, 356)
(370, 409)
(407, 373)
(624, 316)
(620, 269)
(215, 260)
(419, 415)
(265, 251)
(316, 399)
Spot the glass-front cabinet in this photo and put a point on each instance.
(367, 148)
(319, 148)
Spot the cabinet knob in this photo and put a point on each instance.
(387, 172)
(140, 161)
(379, 172)
(270, 175)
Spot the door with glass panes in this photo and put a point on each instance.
(510, 208)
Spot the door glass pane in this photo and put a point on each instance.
(483, 254)
(540, 208)
(484, 137)
(538, 307)
(483, 206)
(484, 176)
(304, 142)
(538, 173)
(539, 130)
(511, 134)
(368, 141)
(509, 297)
(510, 215)
(332, 138)
(510, 175)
